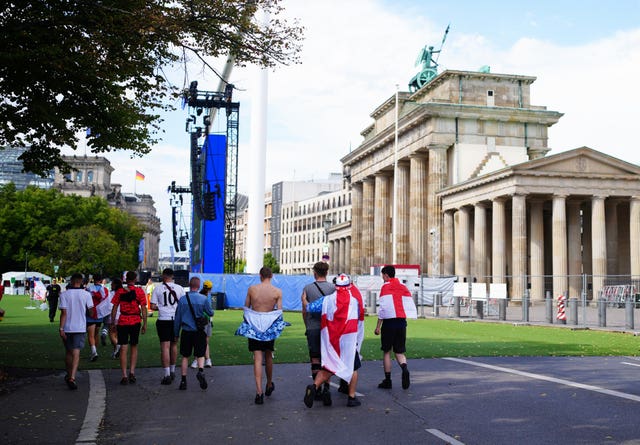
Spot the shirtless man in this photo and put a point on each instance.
(263, 297)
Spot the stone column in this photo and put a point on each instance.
(341, 255)
(332, 257)
(519, 245)
(574, 248)
(447, 244)
(611, 216)
(480, 242)
(462, 243)
(598, 244)
(587, 254)
(347, 257)
(382, 220)
(402, 206)
(418, 210)
(634, 229)
(437, 181)
(559, 245)
(367, 225)
(498, 238)
(356, 224)
(536, 249)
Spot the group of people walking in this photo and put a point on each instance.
(333, 314)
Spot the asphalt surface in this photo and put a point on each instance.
(502, 400)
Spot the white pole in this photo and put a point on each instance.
(257, 167)
(394, 225)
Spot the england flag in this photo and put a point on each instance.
(396, 301)
(342, 331)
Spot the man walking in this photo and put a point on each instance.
(262, 324)
(131, 301)
(341, 338)
(74, 303)
(53, 295)
(164, 299)
(312, 292)
(190, 319)
(396, 305)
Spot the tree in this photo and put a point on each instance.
(270, 261)
(76, 233)
(67, 66)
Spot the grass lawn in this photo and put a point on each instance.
(28, 340)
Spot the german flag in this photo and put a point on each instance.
(139, 176)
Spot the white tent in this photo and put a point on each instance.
(17, 287)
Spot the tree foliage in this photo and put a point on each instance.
(270, 261)
(78, 234)
(71, 65)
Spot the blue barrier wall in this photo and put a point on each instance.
(235, 287)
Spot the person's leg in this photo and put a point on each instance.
(173, 353)
(123, 359)
(257, 370)
(165, 354)
(75, 360)
(52, 309)
(91, 337)
(386, 360)
(68, 361)
(134, 361)
(268, 366)
(401, 358)
(353, 384)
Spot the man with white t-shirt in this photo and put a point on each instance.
(74, 302)
(164, 300)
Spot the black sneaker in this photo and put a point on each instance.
(309, 395)
(132, 378)
(344, 387)
(124, 381)
(385, 384)
(71, 383)
(351, 402)
(405, 377)
(183, 385)
(269, 389)
(326, 396)
(166, 380)
(173, 376)
(202, 380)
(259, 400)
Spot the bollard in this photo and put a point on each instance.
(548, 303)
(602, 313)
(456, 307)
(562, 315)
(436, 304)
(525, 306)
(628, 314)
(573, 311)
(480, 309)
(502, 309)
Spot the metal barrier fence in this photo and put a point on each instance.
(615, 307)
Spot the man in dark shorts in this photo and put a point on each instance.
(312, 292)
(263, 297)
(194, 339)
(164, 300)
(53, 294)
(396, 304)
(132, 302)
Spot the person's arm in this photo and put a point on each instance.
(63, 319)
(114, 311)
(143, 305)
(378, 325)
(247, 301)
(279, 300)
(153, 303)
(305, 302)
(208, 308)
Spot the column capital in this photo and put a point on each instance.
(438, 146)
(598, 197)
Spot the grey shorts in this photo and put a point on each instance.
(74, 340)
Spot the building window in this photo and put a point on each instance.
(90, 176)
(78, 176)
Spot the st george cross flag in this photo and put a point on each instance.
(342, 331)
(139, 176)
(396, 301)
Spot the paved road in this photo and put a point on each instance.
(502, 400)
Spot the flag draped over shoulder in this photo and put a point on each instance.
(139, 176)
(262, 326)
(396, 301)
(342, 330)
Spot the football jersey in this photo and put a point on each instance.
(166, 297)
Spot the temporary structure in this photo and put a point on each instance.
(13, 282)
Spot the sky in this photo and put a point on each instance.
(586, 60)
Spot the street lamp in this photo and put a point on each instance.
(326, 224)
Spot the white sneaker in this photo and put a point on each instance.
(94, 356)
(194, 365)
(207, 363)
